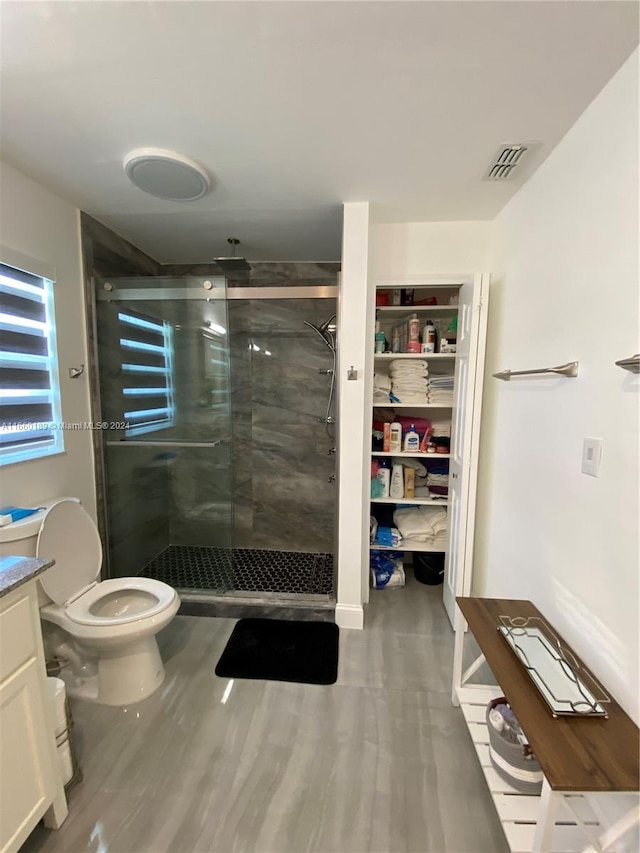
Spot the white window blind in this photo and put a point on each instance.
(146, 345)
(30, 417)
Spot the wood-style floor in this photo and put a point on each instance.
(378, 762)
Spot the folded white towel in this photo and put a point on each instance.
(409, 389)
(441, 429)
(400, 369)
(410, 386)
(406, 364)
(381, 380)
(408, 368)
(418, 399)
(421, 524)
(410, 523)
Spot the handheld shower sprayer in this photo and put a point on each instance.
(326, 331)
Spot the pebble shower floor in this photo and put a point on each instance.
(190, 567)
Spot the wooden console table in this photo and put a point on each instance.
(579, 756)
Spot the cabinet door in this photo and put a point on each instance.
(465, 433)
(25, 767)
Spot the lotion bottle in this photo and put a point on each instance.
(396, 489)
(395, 438)
(412, 441)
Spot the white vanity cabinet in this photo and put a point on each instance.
(30, 785)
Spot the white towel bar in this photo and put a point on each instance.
(569, 369)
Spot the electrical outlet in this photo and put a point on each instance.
(591, 456)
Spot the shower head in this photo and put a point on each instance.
(328, 326)
(325, 331)
(233, 264)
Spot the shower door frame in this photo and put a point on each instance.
(290, 291)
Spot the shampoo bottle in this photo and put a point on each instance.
(429, 337)
(397, 481)
(384, 476)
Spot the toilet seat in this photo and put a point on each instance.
(69, 535)
(79, 610)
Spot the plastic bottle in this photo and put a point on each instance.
(380, 342)
(429, 337)
(384, 475)
(412, 441)
(449, 338)
(409, 483)
(396, 489)
(395, 340)
(413, 344)
(395, 438)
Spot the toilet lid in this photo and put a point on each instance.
(70, 537)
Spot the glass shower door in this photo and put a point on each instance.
(163, 361)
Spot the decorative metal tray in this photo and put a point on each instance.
(553, 669)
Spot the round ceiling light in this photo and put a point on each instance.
(166, 174)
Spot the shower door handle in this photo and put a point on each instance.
(124, 442)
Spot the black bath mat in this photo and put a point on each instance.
(278, 650)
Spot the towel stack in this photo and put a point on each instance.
(440, 429)
(441, 390)
(409, 380)
(438, 479)
(425, 524)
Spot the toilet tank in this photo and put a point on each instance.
(20, 538)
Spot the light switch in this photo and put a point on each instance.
(591, 456)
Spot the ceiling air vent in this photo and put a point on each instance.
(505, 162)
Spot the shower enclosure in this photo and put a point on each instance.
(218, 447)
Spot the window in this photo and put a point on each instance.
(147, 365)
(29, 385)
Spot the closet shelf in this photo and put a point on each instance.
(384, 404)
(411, 309)
(409, 545)
(412, 455)
(410, 501)
(425, 356)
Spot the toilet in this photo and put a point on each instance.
(105, 629)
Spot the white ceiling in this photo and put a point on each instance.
(295, 108)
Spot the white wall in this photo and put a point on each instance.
(564, 287)
(413, 248)
(356, 319)
(36, 223)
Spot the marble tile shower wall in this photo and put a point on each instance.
(281, 462)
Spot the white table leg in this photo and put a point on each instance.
(57, 812)
(619, 828)
(549, 802)
(458, 650)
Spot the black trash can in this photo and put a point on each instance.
(428, 568)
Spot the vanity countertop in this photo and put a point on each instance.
(15, 571)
